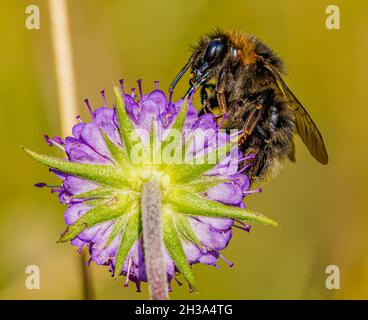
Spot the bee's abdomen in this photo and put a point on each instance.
(271, 138)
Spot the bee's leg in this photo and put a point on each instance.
(220, 94)
(251, 122)
(254, 116)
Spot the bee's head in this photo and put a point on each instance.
(206, 61)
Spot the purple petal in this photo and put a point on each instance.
(75, 185)
(158, 98)
(210, 258)
(208, 236)
(217, 223)
(75, 211)
(93, 233)
(241, 180)
(77, 242)
(76, 131)
(225, 193)
(77, 151)
(92, 137)
(101, 254)
(150, 111)
(192, 252)
(229, 165)
(104, 115)
(132, 107)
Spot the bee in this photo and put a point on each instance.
(241, 76)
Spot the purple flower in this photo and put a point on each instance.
(102, 181)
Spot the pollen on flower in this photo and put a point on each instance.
(112, 155)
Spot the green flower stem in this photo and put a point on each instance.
(153, 240)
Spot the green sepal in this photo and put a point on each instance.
(173, 245)
(203, 183)
(104, 201)
(118, 154)
(108, 211)
(130, 235)
(154, 145)
(129, 134)
(193, 204)
(117, 227)
(103, 174)
(185, 229)
(177, 126)
(98, 192)
(186, 172)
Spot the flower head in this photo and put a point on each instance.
(110, 158)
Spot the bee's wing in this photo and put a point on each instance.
(305, 126)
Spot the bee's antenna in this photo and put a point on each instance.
(181, 73)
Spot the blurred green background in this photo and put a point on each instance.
(322, 210)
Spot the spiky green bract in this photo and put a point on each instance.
(194, 168)
(196, 205)
(107, 175)
(118, 154)
(117, 228)
(173, 245)
(130, 235)
(129, 135)
(107, 211)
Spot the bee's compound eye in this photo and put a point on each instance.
(214, 50)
